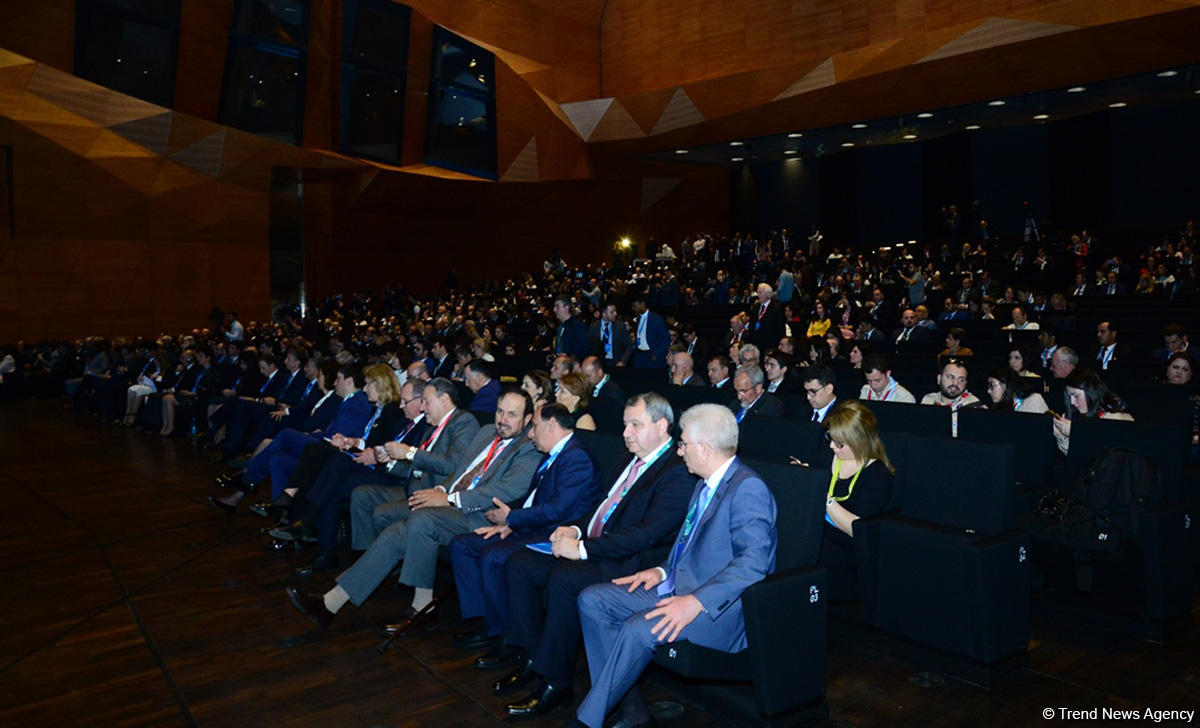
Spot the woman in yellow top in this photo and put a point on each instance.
(820, 321)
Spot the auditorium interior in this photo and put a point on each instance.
(439, 316)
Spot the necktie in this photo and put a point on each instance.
(371, 422)
(685, 538)
(606, 338)
(476, 471)
(741, 413)
(816, 416)
(762, 311)
(605, 511)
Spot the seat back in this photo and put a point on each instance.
(1031, 435)
(800, 510)
(1166, 446)
(963, 485)
(609, 414)
(775, 439)
(605, 447)
(915, 419)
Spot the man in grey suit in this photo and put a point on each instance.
(375, 507)
(610, 338)
(498, 466)
(726, 544)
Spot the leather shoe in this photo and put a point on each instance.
(261, 509)
(474, 638)
(500, 655)
(516, 679)
(295, 532)
(224, 507)
(322, 563)
(541, 701)
(407, 619)
(312, 606)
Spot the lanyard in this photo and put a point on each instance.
(429, 441)
(833, 479)
(886, 395)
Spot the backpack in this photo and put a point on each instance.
(1106, 507)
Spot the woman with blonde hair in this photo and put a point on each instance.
(575, 393)
(860, 485)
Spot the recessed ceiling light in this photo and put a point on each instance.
(1117, 105)
(859, 125)
(789, 151)
(737, 159)
(1168, 74)
(1041, 117)
(795, 135)
(847, 144)
(1197, 91)
(681, 151)
(972, 127)
(924, 115)
(1076, 89)
(997, 102)
(910, 136)
(735, 144)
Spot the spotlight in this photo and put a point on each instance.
(910, 136)
(924, 115)
(681, 151)
(737, 159)
(735, 144)
(1168, 74)
(1117, 105)
(859, 125)
(1042, 117)
(1076, 89)
(997, 102)
(847, 144)
(795, 135)
(789, 151)
(972, 127)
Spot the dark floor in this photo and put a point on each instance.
(129, 601)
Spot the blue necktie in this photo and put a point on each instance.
(685, 537)
(371, 422)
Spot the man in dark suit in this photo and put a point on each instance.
(752, 399)
(479, 379)
(442, 363)
(271, 386)
(1111, 357)
(910, 337)
(652, 338)
(498, 466)
(1175, 340)
(869, 333)
(565, 487)
(766, 319)
(603, 386)
(1112, 286)
(726, 544)
(693, 344)
(571, 336)
(718, 370)
(248, 415)
(610, 338)
(683, 372)
(629, 530)
(736, 334)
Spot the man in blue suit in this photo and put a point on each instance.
(478, 377)
(565, 486)
(571, 336)
(726, 544)
(652, 339)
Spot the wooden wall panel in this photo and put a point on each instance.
(323, 83)
(203, 38)
(43, 30)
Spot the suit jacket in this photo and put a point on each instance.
(699, 353)
(508, 478)
(694, 381)
(352, 415)
(658, 339)
(274, 386)
(1120, 360)
(324, 417)
(620, 341)
(445, 369)
(768, 405)
(643, 525)
(300, 410)
(610, 390)
(571, 338)
(766, 332)
(485, 399)
(292, 392)
(564, 492)
(390, 422)
(732, 547)
(445, 456)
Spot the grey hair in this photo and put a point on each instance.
(755, 375)
(749, 349)
(657, 406)
(1068, 354)
(766, 286)
(713, 425)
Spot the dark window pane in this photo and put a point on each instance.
(461, 63)
(164, 10)
(127, 56)
(460, 134)
(376, 113)
(377, 35)
(278, 21)
(262, 92)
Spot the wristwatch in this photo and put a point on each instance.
(410, 455)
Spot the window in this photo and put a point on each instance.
(461, 132)
(263, 92)
(374, 71)
(129, 46)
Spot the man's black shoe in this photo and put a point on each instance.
(500, 655)
(541, 701)
(323, 562)
(516, 679)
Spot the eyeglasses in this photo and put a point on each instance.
(829, 439)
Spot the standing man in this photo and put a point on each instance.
(766, 319)
(652, 339)
(726, 544)
(610, 338)
(571, 336)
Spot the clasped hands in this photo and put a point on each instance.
(497, 516)
(676, 612)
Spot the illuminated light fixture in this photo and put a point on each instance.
(789, 151)
(626, 242)
(997, 102)
(859, 125)
(910, 136)
(1168, 74)
(1197, 91)
(795, 135)
(847, 144)
(735, 144)
(972, 127)
(681, 151)
(1042, 117)
(737, 159)
(1117, 105)
(1076, 89)
(924, 115)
